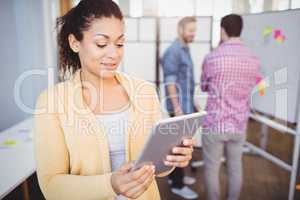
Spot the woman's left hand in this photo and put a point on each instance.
(181, 155)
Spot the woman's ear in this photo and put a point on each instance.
(74, 43)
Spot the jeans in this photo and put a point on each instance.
(213, 147)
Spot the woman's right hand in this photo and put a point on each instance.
(132, 184)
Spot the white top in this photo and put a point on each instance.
(115, 126)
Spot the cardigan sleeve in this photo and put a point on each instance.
(53, 164)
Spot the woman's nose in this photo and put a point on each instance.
(112, 51)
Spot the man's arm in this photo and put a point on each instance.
(173, 95)
(170, 66)
(204, 78)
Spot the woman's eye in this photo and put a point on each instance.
(120, 45)
(101, 45)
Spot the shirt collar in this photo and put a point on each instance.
(181, 45)
(233, 42)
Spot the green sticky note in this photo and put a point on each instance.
(267, 31)
(10, 143)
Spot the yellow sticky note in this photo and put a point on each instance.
(267, 31)
(10, 143)
(262, 88)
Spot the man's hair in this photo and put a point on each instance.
(232, 24)
(182, 22)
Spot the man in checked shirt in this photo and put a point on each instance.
(229, 74)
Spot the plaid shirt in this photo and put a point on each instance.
(229, 74)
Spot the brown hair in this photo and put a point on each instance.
(232, 24)
(77, 20)
(182, 22)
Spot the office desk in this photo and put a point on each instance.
(16, 162)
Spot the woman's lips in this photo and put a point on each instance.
(109, 66)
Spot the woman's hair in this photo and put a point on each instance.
(77, 20)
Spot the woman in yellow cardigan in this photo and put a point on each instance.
(89, 127)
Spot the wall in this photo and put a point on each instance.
(23, 48)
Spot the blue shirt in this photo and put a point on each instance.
(177, 66)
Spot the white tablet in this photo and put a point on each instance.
(165, 135)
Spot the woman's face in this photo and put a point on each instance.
(101, 48)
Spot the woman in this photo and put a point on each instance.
(89, 128)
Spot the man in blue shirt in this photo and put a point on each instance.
(179, 83)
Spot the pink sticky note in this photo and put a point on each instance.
(258, 79)
(277, 33)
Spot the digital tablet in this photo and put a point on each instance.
(165, 135)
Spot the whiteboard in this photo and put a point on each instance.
(280, 61)
(139, 63)
(168, 29)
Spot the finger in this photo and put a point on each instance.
(126, 167)
(189, 142)
(141, 188)
(178, 158)
(131, 177)
(183, 150)
(176, 164)
(131, 185)
(139, 191)
(135, 175)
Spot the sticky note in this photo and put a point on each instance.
(262, 88)
(258, 79)
(280, 39)
(277, 33)
(267, 31)
(262, 93)
(9, 143)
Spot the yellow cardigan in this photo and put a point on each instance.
(72, 151)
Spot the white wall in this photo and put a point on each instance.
(295, 4)
(24, 47)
